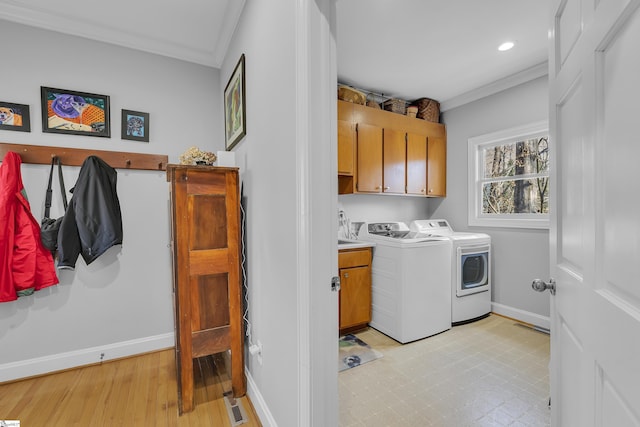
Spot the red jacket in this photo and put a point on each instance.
(25, 264)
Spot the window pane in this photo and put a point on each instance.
(499, 161)
(516, 196)
(526, 157)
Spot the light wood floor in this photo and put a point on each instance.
(136, 391)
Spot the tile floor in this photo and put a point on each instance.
(488, 373)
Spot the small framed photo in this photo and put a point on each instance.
(75, 113)
(235, 124)
(135, 126)
(14, 117)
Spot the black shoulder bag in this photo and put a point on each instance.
(49, 227)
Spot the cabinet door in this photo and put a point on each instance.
(346, 139)
(437, 167)
(355, 296)
(394, 160)
(416, 164)
(369, 158)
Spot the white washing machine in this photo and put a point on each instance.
(411, 279)
(470, 269)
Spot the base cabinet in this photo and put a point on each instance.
(205, 234)
(355, 288)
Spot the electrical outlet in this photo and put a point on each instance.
(101, 357)
(259, 355)
(256, 350)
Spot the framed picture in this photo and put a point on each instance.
(135, 126)
(75, 113)
(14, 117)
(235, 123)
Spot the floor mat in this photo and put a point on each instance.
(354, 352)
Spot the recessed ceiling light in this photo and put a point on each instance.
(505, 46)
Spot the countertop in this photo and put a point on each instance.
(354, 244)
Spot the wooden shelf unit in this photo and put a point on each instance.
(205, 224)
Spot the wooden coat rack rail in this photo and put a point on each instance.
(42, 154)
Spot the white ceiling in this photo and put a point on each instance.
(440, 49)
(445, 50)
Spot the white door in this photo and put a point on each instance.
(317, 205)
(594, 83)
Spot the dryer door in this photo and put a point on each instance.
(473, 270)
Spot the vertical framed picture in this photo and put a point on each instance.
(75, 113)
(135, 126)
(14, 117)
(235, 123)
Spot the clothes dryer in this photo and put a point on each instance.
(411, 278)
(470, 269)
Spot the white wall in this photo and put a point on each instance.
(519, 255)
(373, 207)
(122, 303)
(267, 159)
(288, 169)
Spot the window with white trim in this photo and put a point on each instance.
(509, 178)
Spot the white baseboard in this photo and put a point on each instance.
(521, 315)
(258, 402)
(87, 356)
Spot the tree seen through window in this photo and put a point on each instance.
(516, 177)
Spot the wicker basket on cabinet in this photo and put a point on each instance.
(428, 109)
(395, 105)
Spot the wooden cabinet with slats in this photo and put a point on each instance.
(205, 231)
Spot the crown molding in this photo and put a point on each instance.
(59, 22)
(232, 17)
(508, 82)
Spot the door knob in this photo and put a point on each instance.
(541, 286)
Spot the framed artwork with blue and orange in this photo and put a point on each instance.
(76, 113)
(14, 117)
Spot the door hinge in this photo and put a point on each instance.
(335, 283)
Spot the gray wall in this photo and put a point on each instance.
(519, 255)
(267, 157)
(122, 303)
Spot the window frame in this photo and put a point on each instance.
(475, 179)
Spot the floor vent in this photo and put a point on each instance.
(534, 328)
(236, 412)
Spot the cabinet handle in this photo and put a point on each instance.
(431, 190)
(346, 275)
(386, 188)
(423, 190)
